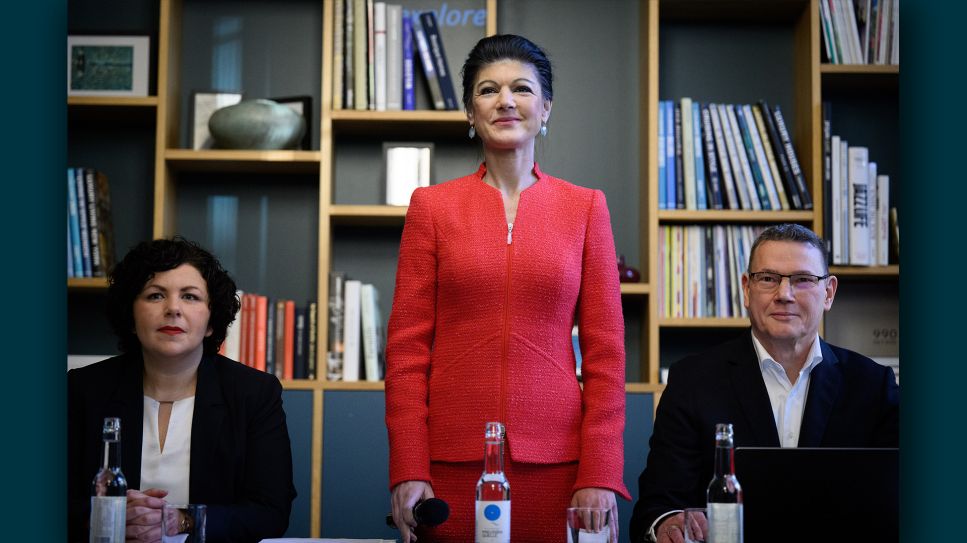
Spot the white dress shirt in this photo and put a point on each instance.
(788, 399)
(168, 469)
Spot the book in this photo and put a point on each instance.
(708, 259)
(105, 222)
(312, 313)
(660, 146)
(762, 140)
(74, 225)
(688, 153)
(741, 187)
(440, 64)
(680, 197)
(368, 298)
(844, 194)
(807, 201)
(402, 174)
(730, 200)
(338, 46)
(714, 182)
(272, 336)
(379, 55)
(882, 219)
(84, 229)
(751, 185)
(701, 195)
(394, 57)
(828, 212)
(93, 234)
(261, 331)
(409, 91)
(300, 367)
(871, 209)
(894, 233)
(351, 331)
(788, 181)
(753, 156)
(859, 226)
(671, 172)
(723, 304)
(426, 61)
(70, 256)
(288, 341)
(349, 55)
(360, 56)
(837, 204)
(370, 57)
(336, 331)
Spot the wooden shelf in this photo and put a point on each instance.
(87, 283)
(733, 216)
(243, 161)
(860, 78)
(372, 215)
(734, 322)
(860, 69)
(400, 124)
(635, 289)
(113, 109)
(112, 101)
(884, 272)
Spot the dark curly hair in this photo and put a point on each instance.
(147, 258)
(510, 47)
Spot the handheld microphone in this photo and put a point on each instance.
(429, 512)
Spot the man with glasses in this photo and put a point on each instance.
(779, 384)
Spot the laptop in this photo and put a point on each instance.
(819, 494)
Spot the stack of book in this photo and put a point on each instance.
(725, 156)
(861, 31)
(90, 230)
(375, 50)
(356, 350)
(274, 335)
(858, 220)
(700, 269)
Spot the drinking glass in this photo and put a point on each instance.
(170, 523)
(588, 525)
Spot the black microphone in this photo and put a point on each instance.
(428, 512)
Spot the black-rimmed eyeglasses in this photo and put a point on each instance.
(768, 281)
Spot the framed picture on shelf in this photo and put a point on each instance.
(406, 166)
(303, 106)
(203, 104)
(107, 65)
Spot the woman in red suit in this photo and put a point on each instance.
(495, 268)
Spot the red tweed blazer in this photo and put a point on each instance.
(480, 330)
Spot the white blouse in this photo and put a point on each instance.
(168, 469)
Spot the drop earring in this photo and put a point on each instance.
(543, 130)
(472, 132)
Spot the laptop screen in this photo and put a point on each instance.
(819, 494)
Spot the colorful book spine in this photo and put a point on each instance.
(409, 92)
(426, 60)
(440, 64)
(74, 225)
(701, 195)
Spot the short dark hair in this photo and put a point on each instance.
(790, 232)
(128, 277)
(506, 47)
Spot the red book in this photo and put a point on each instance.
(261, 314)
(289, 339)
(248, 328)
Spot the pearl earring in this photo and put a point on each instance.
(472, 133)
(543, 130)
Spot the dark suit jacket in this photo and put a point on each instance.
(852, 402)
(241, 460)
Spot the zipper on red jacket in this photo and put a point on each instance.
(506, 338)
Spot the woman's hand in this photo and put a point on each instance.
(405, 495)
(144, 515)
(600, 498)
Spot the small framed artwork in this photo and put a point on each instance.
(406, 167)
(303, 106)
(203, 104)
(107, 65)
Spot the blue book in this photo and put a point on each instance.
(701, 201)
(670, 172)
(70, 256)
(760, 184)
(73, 224)
(82, 222)
(661, 155)
(409, 94)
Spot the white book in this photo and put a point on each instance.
(394, 57)
(233, 337)
(840, 22)
(871, 210)
(854, 35)
(379, 55)
(844, 193)
(368, 299)
(882, 219)
(895, 33)
(338, 48)
(402, 174)
(722, 304)
(360, 61)
(694, 286)
(423, 177)
(352, 330)
(730, 145)
(836, 202)
(743, 159)
(859, 214)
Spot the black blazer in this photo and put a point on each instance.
(852, 402)
(241, 460)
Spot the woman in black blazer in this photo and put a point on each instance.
(196, 426)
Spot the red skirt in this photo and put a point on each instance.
(539, 497)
